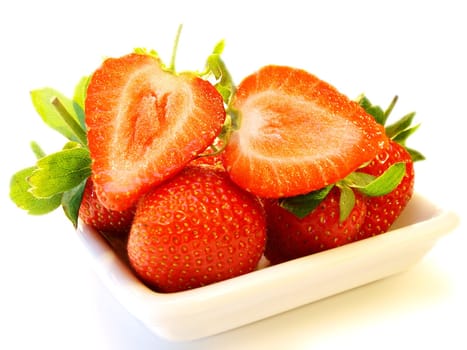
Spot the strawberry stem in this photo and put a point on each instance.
(70, 121)
(388, 110)
(174, 49)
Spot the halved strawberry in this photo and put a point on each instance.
(296, 134)
(145, 124)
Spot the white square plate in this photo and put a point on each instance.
(229, 304)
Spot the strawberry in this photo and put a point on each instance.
(296, 134)
(291, 236)
(93, 213)
(144, 124)
(382, 211)
(196, 229)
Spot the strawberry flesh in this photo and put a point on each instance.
(145, 124)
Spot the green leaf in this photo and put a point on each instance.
(20, 194)
(363, 101)
(79, 99)
(219, 48)
(399, 126)
(37, 150)
(415, 155)
(385, 183)
(303, 205)
(375, 111)
(78, 131)
(71, 201)
(60, 172)
(80, 91)
(43, 101)
(71, 145)
(358, 179)
(402, 136)
(144, 51)
(346, 202)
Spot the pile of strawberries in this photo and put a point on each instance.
(201, 179)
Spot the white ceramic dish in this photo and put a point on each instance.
(229, 304)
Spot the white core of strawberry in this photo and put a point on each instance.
(275, 129)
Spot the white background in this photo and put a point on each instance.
(49, 295)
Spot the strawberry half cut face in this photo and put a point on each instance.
(145, 124)
(297, 134)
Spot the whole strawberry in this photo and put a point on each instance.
(382, 211)
(93, 213)
(291, 236)
(196, 229)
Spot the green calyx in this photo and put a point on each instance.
(302, 205)
(56, 179)
(367, 184)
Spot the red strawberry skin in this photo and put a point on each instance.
(290, 237)
(297, 134)
(111, 222)
(145, 124)
(384, 210)
(196, 229)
